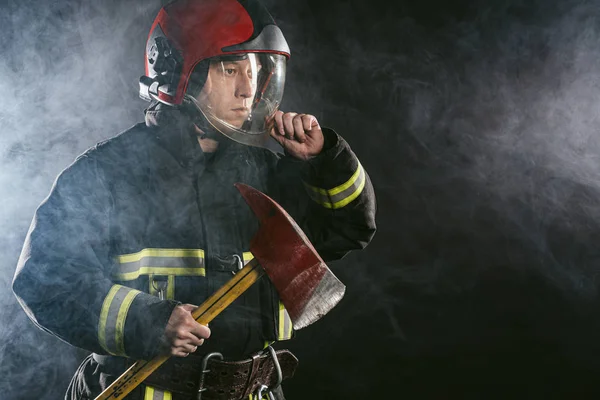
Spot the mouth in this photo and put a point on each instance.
(240, 109)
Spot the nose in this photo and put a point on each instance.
(244, 87)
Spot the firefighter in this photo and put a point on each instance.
(143, 227)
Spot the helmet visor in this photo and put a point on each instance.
(241, 94)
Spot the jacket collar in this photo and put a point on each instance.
(174, 131)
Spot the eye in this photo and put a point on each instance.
(229, 71)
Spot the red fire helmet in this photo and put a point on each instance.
(186, 32)
(230, 32)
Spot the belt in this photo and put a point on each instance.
(214, 379)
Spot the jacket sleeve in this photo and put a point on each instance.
(330, 196)
(62, 277)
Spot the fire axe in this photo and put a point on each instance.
(306, 286)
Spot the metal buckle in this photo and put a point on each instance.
(240, 263)
(262, 388)
(160, 283)
(204, 370)
(232, 263)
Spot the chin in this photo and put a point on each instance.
(236, 124)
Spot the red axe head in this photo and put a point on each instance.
(306, 286)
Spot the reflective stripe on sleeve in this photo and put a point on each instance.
(176, 262)
(113, 314)
(153, 393)
(341, 195)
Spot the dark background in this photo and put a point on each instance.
(478, 124)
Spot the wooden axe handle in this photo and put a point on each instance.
(207, 311)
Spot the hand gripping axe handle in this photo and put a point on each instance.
(306, 286)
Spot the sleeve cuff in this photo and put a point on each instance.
(132, 322)
(335, 177)
(309, 169)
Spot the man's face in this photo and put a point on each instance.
(229, 89)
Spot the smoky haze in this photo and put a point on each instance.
(69, 77)
(478, 125)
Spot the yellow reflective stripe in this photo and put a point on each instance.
(188, 262)
(247, 256)
(129, 276)
(182, 262)
(252, 396)
(120, 325)
(104, 315)
(113, 314)
(340, 188)
(285, 324)
(125, 258)
(152, 393)
(344, 186)
(267, 344)
(353, 196)
(341, 195)
(149, 395)
(290, 326)
(280, 331)
(171, 288)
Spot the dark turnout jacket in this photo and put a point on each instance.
(146, 220)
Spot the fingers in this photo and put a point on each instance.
(188, 307)
(183, 333)
(288, 125)
(187, 338)
(309, 122)
(294, 126)
(299, 128)
(187, 342)
(181, 352)
(200, 332)
(279, 123)
(183, 349)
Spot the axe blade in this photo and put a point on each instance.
(306, 286)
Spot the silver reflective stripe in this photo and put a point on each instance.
(341, 195)
(153, 393)
(175, 262)
(113, 314)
